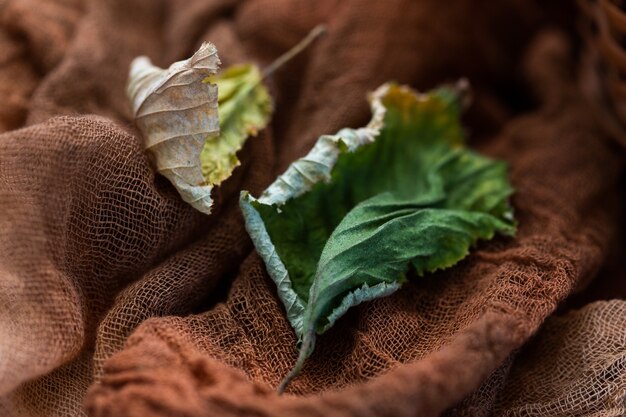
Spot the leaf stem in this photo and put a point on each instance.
(316, 32)
(308, 343)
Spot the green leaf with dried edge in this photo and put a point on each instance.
(194, 122)
(345, 224)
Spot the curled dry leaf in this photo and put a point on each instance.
(194, 121)
(177, 113)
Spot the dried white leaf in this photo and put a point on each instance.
(177, 113)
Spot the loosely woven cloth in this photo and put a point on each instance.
(118, 299)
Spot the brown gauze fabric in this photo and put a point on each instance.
(118, 299)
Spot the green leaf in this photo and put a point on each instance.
(194, 122)
(345, 224)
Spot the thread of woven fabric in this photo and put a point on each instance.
(92, 243)
(440, 336)
(579, 360)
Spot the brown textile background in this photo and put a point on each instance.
(108, 280)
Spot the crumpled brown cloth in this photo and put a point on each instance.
(109, 280)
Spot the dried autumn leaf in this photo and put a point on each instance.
(344, 224)
(177, 113)
(194, 122)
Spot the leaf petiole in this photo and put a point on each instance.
(315, 33)
(308, 344)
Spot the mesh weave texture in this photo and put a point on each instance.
(118, 299)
